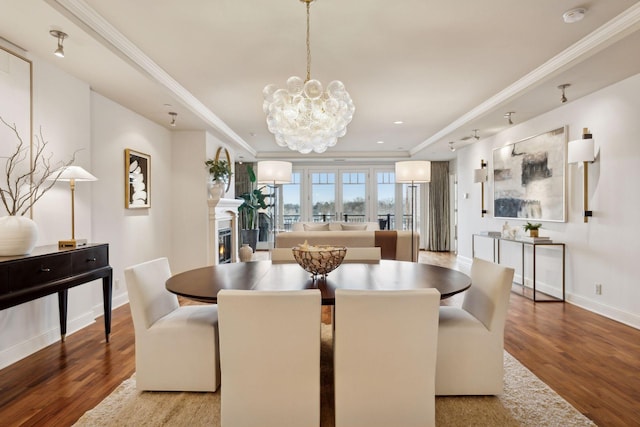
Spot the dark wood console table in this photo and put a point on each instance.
(48, 270)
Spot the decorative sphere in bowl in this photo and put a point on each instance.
(319, 260)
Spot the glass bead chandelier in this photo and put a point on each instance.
(303, 117)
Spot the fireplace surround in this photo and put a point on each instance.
(223, 223)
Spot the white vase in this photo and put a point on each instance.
(216, 189)
(246, 253)
(18, 235)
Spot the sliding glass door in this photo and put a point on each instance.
(340, 195)
(359, 194)
(354, 206)
(291, 201)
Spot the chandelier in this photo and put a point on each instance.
(303, 116)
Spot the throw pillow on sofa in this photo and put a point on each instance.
(316, 227)
(354, 227)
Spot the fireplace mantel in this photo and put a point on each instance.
(223, 213)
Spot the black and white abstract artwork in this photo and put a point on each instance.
(529, 178)
(138, 176)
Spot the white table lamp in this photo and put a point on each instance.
(72, 174)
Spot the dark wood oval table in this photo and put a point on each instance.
(203, 284)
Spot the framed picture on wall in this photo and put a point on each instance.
(137, 185)
(15, 111)
(529, 178)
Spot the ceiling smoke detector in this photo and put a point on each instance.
(574, 15)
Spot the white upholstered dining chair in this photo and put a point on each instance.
(385, 357)
(176, 347)
(471, 338)
(270, 358)
(363, 255)
(282, 255)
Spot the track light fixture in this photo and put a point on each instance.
(451, 147)
(173, 118)
(475, 135)
(508, 116)
(562, 87)
(59, 52)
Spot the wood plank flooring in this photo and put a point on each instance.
(591, 361)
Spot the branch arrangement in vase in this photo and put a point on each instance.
(24, 186)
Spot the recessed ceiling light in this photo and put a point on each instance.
(380, 142)
(574, 15)
(398, 122)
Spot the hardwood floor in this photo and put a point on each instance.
(591, 361)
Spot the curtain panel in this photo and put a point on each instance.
(439, 239)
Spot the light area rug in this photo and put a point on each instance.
(526, 401)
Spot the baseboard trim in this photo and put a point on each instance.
(604, 310)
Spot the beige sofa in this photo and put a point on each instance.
(355, 235)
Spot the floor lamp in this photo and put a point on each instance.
(72, 174)
(272, 173)
(413, 172)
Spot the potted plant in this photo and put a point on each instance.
(252, 201)
(532, 228)
(220, 174)
(25, 182)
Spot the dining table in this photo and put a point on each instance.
(204, 283)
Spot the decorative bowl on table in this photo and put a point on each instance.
(319, 260)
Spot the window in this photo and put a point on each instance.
(291, 201)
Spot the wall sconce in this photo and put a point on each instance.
(582, 150)
(481, 175)
(413, 172)
(59, 52)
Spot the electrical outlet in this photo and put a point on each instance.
(598, 289)
(117, 283)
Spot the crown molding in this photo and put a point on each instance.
(82, 14)
(609, 33)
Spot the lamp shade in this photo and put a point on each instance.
(581, 150)
(274, 172)
(413, 171)
(67, 173)
(480, 175)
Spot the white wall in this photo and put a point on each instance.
(605, 249)
(61, 112)
(75, 119)
(189, 186)
(134, 235)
